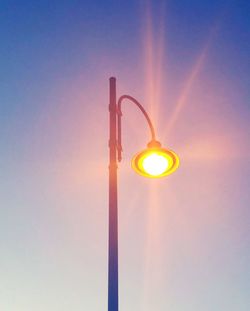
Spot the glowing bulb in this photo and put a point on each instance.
(155, 164)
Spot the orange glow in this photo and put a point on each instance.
(155, 162)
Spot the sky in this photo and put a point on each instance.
(184, 240)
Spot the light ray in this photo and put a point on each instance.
(181, 102)
(154, 46)
(154, 56)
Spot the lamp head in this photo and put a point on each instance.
(155, 161)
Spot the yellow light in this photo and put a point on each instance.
(155, 162)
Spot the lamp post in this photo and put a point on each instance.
(153, 162)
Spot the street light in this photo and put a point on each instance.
(153, 162)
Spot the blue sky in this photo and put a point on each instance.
(184, 240)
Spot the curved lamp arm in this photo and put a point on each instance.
(119, 112)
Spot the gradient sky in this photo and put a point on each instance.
(185, 239)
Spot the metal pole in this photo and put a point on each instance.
(113, 215)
